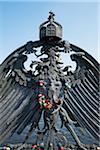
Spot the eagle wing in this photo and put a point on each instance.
(18, 105)
(82, 98)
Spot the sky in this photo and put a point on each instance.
(20, 21)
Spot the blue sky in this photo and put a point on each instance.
(20, 20)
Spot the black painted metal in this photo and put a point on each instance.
(26, 96)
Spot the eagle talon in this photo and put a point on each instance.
(21, 147)
(81, 147)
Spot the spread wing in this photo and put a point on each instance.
(18, 105)
(82, 99)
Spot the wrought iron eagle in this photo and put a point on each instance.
(49, 92)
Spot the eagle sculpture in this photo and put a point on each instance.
(49, 91)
